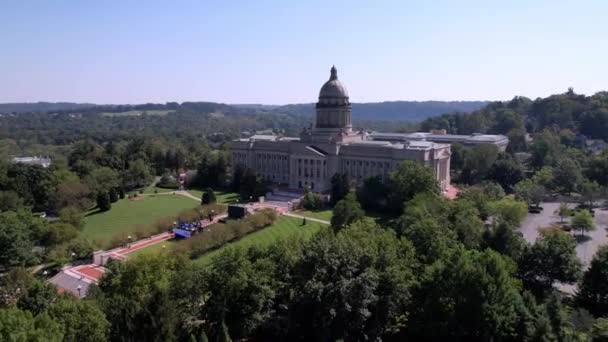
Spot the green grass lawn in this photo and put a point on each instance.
(284, 227)
(222, 197)
(126, 214)
(318, 214)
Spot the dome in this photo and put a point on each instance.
(333, 87)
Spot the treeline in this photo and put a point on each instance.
(587, 115)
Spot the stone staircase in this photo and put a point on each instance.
(283, 198)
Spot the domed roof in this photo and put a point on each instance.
(333, 87)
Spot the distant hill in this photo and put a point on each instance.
(391, 111)
(41, 107)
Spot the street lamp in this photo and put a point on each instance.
(73, 255)
(129, 239)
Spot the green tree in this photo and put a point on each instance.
(239, 172)
(311, 200)
(10, 201)
(552, 258)
(137, 175)
(583, 221)
(469, 296)
(597, 170)
(72, 216)
(13, 285)
(102, 179)
(409, 179)
(17, 325)
(72, 194)
(135, 299)
(426, 222)
(353, 284)
(600, 330)
(241, 292)
(38, 297)
(504, 239)
(113, 194)
(563, 211)
(478, 163)
(59, 233)
(103, 201)
(506, 171)
(373, 194)
(589, 191)
(530, 192)
(33, 183)
(19, 231)
(465, 220)
(593, 289)
(567, 175)
(509, 211)
(82, 320)
(346, 212)
(481, 196)
(208, 196)
(340, 187)
(545, 149)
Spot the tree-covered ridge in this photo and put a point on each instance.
(582, 114)
(388, 110)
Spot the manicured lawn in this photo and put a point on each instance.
(222, 197)
(155, 189)
(284, 227)
(126, 214)
(320, 214)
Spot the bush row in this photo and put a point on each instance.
(233, 230)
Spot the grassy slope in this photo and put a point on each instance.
(126, 214)
(321, 214)
(284, 227)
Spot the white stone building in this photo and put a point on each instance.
(331, 147)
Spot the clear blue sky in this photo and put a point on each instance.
(279, 52)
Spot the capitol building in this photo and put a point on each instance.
(332, 146)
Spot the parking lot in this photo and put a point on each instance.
(586, 248)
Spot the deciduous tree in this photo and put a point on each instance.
(346, 212)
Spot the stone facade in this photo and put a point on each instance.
(331, 147)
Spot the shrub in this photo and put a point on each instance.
(168, 182)
(103, 201)
(113, 195)
(312, 201)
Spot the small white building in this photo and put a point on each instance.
(36, 160)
